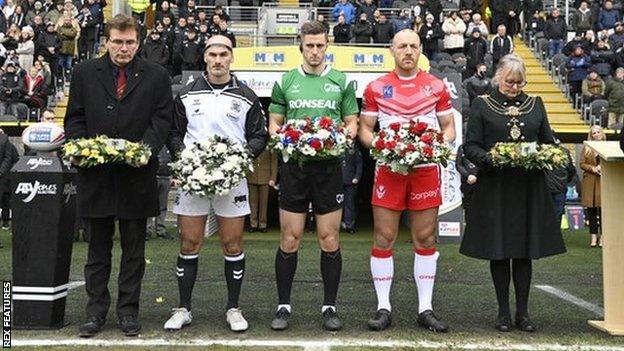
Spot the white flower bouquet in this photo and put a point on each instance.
(212, 167)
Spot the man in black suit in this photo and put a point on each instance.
(120, 96)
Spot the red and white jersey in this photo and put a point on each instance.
(391, 99)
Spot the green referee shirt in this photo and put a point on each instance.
(299, 95)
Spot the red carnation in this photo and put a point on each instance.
(316, 144)
(382, 134)
(427, 138)
(380, 144)
(293, 134)
(395, 126)
(326, 123)
(329, 144)
(427, 151)
(419, 127)
(391, 145)
(411, 147)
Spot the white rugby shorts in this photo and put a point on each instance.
(233, 204)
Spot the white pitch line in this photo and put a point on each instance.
(76, 284)
(315, 344)
(572, 299)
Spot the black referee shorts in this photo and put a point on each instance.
(319, 182)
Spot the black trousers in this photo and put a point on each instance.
(5, 203)
(98, 268)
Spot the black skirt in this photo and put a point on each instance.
(511, 216)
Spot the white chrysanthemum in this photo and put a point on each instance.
(323, 134)
(220, 148)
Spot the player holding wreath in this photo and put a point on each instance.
(406, 95)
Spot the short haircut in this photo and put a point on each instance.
(509, 64)
(312, 28)
(121, 23)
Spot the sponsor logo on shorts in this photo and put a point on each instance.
(339, 198)
(240, 200)
(380, 191)
(426, 277)
(424, 195)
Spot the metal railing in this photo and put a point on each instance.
(253, 40)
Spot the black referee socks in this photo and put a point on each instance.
(331, 269)
(285, 268)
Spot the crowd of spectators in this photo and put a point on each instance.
(40, 40)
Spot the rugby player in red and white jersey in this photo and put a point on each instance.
(403, 95)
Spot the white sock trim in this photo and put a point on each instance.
(188, 256)
(326, 307)
(287, 307)
(236, 258)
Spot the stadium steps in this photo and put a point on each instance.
(562, 116)
(289, 3)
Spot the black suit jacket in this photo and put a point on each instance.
(143, 113)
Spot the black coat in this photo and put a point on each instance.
(383, 32)
(512, 213)
(342, 33)
(8, 157)
(144, 113)
(363, 31)
(155, 51)
(475, 50)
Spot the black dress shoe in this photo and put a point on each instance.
(129, 325)
(252, 230)
(503, 323)
(92, 326)
(263, 230)
(429, 321)
(524, 323)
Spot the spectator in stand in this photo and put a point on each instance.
(8, 157)
(383, 31)
(202, 17)
(44, 71)
(11, 93)
(530, 8)
(363, 30)
(608, 16)
(55, 14)
(475, 49)
(536, 24)
(18, 17)
(88, 33)
(556, 32)
(48, 5)
(478, 23)
(614, 93)
(321, 19)
(429, 35)
(402, 22)
(582, 20)
(203, 33)
(590, 198)
(9, 8)
(165, 10)
(191, 52)
(418, 23)
(593, 87)
(68, 33)
(223, 30)
(435, 8)
(465, 16)
(497, 7)
(155, 49)
(26, 48)
(3, 23)
(479, 84)
(616, 40)
(48, 45)
(470, 5)
(35, 89)
(36, 11)
(368, 8)
(376, 16)
(12, 38)
(345, 8)
(589, 41)
(577, 66)
(602, 57)
(577, 41)
(501, 44)
(191, 23)
(219, 11)
(214, 29)
(453, 28)
(71, 8)
(342, 31)
(512, 16)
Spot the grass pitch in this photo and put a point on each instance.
(464, 296)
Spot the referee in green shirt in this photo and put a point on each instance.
(312, 90)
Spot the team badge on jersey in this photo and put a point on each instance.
(235, 109)
(427, 90)
(381, 191)
(388, 91)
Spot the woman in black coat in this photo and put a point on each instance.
(512, 219)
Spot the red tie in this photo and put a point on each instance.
(121, 82)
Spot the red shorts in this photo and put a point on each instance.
(416, 191)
